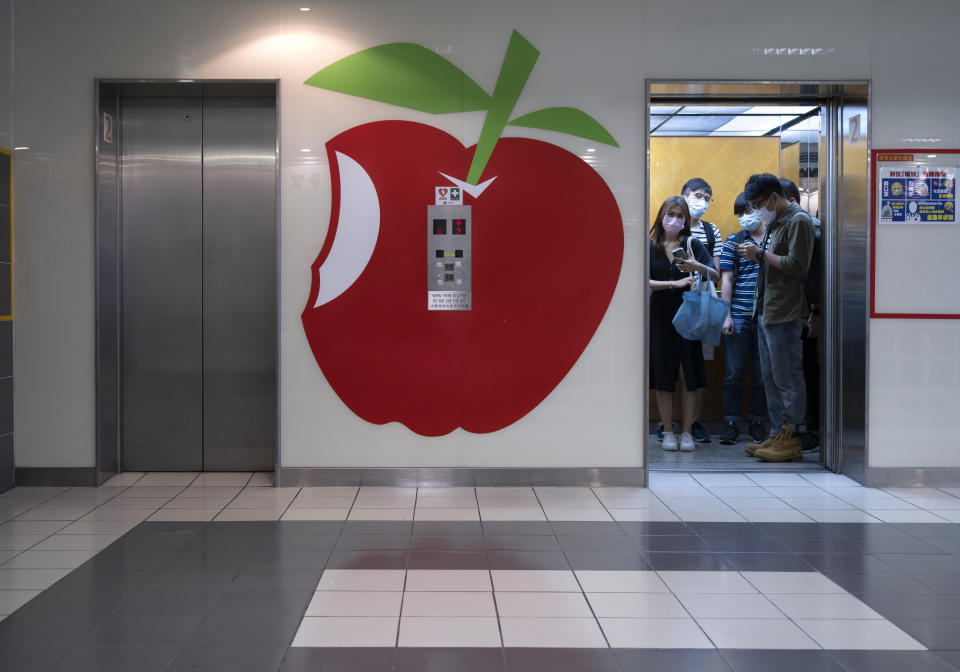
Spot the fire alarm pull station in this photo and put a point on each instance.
(448, 257)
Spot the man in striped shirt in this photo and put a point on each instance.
(698, 194)
(738, 282)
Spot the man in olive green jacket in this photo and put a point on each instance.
(782, 309)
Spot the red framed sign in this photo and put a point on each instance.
(913, 224)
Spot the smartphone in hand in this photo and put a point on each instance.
(680, 254)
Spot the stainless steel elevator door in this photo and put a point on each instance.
(161, 326)
(239, 286)
(198, 315)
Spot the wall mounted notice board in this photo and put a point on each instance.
(914, 234)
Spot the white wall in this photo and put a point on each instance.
(595, 56)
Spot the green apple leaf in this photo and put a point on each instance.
(566, 120)
(404, 74)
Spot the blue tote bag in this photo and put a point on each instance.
(701, 315)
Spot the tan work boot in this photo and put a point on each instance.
(752, 448)
(785, 448)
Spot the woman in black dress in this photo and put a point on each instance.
(671, 354)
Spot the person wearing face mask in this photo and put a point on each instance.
(671, 355)
(811, 351)
(698, 194)
(782, 307)
(738, 282)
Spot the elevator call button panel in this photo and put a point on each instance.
(449, 228)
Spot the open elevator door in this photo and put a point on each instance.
(842, 194)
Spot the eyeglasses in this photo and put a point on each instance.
(757, 205)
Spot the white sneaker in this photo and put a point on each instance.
(686, 443)
(669, 441)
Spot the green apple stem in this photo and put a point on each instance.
(517, 65)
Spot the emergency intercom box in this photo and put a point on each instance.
(449, 230)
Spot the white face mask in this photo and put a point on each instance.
(697, 206)
(766, 216)
(749, 221)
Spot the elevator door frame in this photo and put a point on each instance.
(108, 408)
(844, 325)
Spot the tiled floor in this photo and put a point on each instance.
(731, 572)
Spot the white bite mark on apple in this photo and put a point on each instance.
(473, 189)
(358, 227)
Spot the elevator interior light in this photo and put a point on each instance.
(304, 9)
(931, 156)
(18, 149)
(305, 149)
(921, 140)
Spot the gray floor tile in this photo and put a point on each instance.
(458, 542)
(337, 660)
(516, 542)
(228, 659)
(367, 560)
(913, 606)
(899, 545)
(90, 602)
(447, 560)
(30, 658)
(740, 544)
(191, 579)
(447, 528)
(939, 582)
(913, 563)
(892, 582)
(604, 560)
(377, 527)
(951, 546)
(891, 661)
(461, 660)
(667, 660)
(567, 528)
(561, 660)
(144, 630)
(313, 527)
(653, 527)
(245, 630)
(675, 543)
(287, 559)
(951, 657)
(275, 579)
(118, 658)
(47, 629)
(510, 527)
(264, 602)
(832, 545)
(830, 562)
(526, 560)
(725, 529)
(766, 562)
(373, 542)
(688, 562)
(781, 661)
(931, 530)
(168, 603)
(593, 542)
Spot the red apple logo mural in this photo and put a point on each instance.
(547, 246)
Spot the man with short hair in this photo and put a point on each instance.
(782, 309)
(811, 357)
(698, 194)
(738, 283)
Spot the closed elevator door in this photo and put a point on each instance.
(198, 283)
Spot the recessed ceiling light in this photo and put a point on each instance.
(304, 9)
(17, 149)
(922, 140)
(305, 149)
(931, 156)
(591, 150)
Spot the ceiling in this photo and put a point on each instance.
(793, 123)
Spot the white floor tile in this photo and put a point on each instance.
(197, 503)
(901, 516)
(598, 514)
(654, 633)
(168, 478)
(770, 503)
(706, 582)
(570, 503)
(818, 503)
(55, 514)
(562, 491)
(249, 514)
(859, 635)
(362, 579)
(446, 514)
(841, 516)
(387, 491)
(354, 603)
(152, 503)
(100, 527)
(448, 604)
(951, 515)
(504, 492)
(315, 502)
(363, 631)
(11, 600)
(875, 504)
(329, 491)
(505, 513)
(459, 580)
(223, 478)
(728, 491)
(827, 478)
(623, 492)
(755, 633)
(729, 606)
(712, 514)
(30, 579)
(773, 583)
(603, 581)
(262, 478)
(381, 514)
(643, 515)
(635, 605)
(76, 542)
(151, 491)
(126, 478)
(254, 492)
(831, 606)
(777, 479)
(49, 559)
(906, 493)
(305, 513)
(184, 515)
(545, 605)
(32, 526)
(447, 502)
(133, 515)
(449, 631)
(278, 504)
(630, 503)
(534, 580)
(552, 633)
(935, 502)
(775, 516)
(708, 480)
(808, 490)
(363, 502)
(441, 492)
